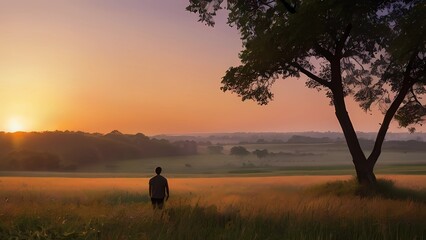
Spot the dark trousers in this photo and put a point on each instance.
(157, 202)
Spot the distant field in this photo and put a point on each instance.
(289, 159)
(296, 159)
(204, 208)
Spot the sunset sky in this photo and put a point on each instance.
(138, 66)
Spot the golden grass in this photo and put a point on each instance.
(244, 199)
(270, 195)
(186, 184)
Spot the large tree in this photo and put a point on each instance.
(373, 51)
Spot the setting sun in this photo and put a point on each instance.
(15, 125)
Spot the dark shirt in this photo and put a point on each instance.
(158, 186)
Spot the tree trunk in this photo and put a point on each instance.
(363, 166)
(364, 173)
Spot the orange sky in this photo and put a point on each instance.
(137, 66)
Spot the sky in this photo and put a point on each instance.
(139, 66)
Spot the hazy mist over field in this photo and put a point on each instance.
(118, 154)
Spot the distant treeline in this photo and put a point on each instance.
(277, 137)
(68, 151)
(410, 145)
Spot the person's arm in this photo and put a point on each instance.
(167, 191)
(150, 192)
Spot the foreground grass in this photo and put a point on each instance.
(214, 209)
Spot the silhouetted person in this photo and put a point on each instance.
(158, 189)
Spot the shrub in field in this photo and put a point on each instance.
(383, 189)
(261, 153)
(239, 151)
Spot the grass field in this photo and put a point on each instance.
(289, 207)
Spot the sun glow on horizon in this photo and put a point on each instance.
(15, 124)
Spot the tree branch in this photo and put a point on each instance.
(348, 53)
(311, 75)
(362, 67)
(268, 3)
(406, 85)
(324, 52)
(415, 97)
(341, 43)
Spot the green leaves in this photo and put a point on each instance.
(375, 46)
(206, 9)
(235, 80)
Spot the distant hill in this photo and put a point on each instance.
(66, 151)
(306, 139)
(280, 137)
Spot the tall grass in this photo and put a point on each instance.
(247, 211)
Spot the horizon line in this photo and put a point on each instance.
(207, 133)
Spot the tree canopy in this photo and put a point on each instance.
(373, 51)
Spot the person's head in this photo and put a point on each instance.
(158, 170)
